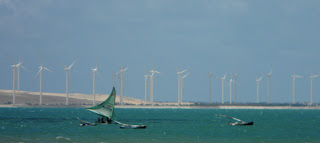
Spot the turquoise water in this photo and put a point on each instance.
(164, 125)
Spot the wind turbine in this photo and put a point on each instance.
(258, 82)
(94, 71)
(14, 67)
(210, 76)
(151, 84)
(41, 67)
(269, 78)
(294, 76)
(67, 69)
(235, 77)
(179, 83)
(311, 86)
(182, 78)
(222, 79)
(18, 67)
(121, 84)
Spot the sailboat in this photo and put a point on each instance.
(106, 109)
(239, 123)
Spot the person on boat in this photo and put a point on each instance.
(109, 120)
(102, 120)
(98, 121)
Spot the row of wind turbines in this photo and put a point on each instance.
(16, 70)
(181, 75)
(233, 79)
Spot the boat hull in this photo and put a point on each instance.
(246, 124)
(133, 126)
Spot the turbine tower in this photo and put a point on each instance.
(311, 86)
(210, 76)
(258, 82)
(222, 79)
(151, 84)
(230, 90)
(145, 87)
(94, 71)
(269, 78)
(179, 83)
(121, 84)
(41, 67)
(18, 68)
(14, 68)
(67, 69)
(294, 76)
(235, 77)
(182, 79)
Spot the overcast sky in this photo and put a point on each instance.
(247, 37)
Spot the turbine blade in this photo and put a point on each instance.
(225, 75)
(37, 74)
(64, 66)
(186, 75)
(260, 78)
(24, 68)
(184, 70)
(72, 63)
(125, 69)
(47, 69)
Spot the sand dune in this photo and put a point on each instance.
(59, 99)
(32, 98)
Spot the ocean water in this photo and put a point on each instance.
(164, 125)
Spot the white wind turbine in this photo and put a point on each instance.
(94, 71)
(269, 78)
(182, 79)
(210, 76)
(311, 86)
(67, 69)
(258, 83)
(179, 83)
(18, 68)
(41, 67)
(222, 79)
(294, 76)
(151, 84)
(121, 84)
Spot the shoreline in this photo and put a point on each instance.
(174, 107)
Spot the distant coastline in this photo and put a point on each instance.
(77, 100)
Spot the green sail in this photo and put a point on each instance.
(106, 108)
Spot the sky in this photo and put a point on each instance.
(246, 37)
